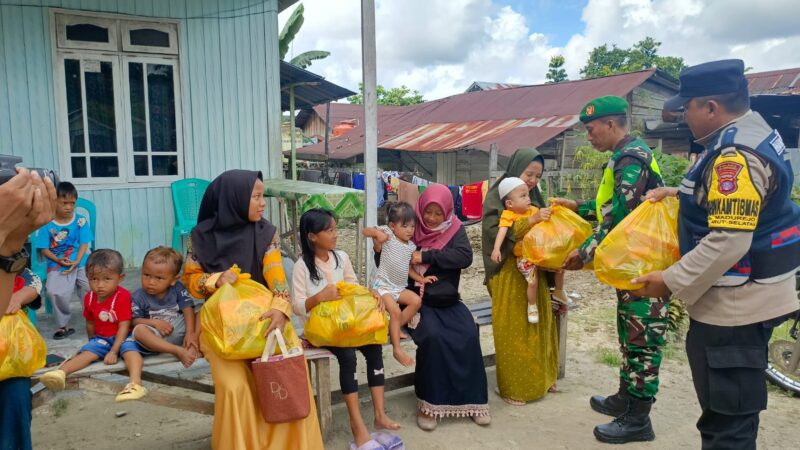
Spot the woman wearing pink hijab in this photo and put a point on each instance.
(450, 379)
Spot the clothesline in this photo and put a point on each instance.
(467, 199)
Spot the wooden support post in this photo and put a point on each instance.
(327, 137)
(322, 369)
(370, 80)
(293, 159)
(561, 324)
(492, 163)
(294, 225)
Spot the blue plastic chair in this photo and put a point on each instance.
(39, 262)
(186, 197)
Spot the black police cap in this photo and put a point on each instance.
(711, 78)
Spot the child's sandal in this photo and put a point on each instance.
(63, 333)
(132, 391)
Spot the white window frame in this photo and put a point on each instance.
(178, 115)
(171, 29)
(65, 152)
(64, 49)
(62, 21)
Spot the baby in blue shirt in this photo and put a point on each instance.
(163, 311)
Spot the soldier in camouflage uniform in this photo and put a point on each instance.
(641, 322)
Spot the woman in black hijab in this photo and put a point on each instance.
(231, 230)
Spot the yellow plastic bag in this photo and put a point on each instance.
(231, 323)
(549, 243)
(25, 349)
(645, 241)
(351, 321)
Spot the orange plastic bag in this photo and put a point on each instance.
(351, 321)
(645, 241)
(549, 243)
(25, 349)
(231, 319)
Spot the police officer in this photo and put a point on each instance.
(740, 244)
(641, 321)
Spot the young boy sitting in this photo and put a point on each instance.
(65, 243)
(107, 310)
(163, 311)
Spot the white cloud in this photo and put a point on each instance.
(440, 46)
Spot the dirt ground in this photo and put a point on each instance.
(86, 419)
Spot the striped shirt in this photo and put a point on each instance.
(395, 261)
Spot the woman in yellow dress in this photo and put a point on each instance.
(231, 230)
(527, 354)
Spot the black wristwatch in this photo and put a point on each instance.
(15, 262)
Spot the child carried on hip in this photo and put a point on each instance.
(390, 282)
(517, 202)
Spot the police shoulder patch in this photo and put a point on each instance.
(733, 201)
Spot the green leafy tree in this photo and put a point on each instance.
(398, 96)
(605, 60)
(556, 70)
(287, 35)
(590, 164)
(673, 168)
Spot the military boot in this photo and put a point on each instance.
(614, 405)
(634, 425)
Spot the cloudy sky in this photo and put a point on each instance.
(439, 47)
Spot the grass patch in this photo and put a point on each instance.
(674, 351)
(774, 389)
(608, 356)
(59, 406)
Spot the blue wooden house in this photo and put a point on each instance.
(123, 97)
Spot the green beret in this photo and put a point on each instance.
(610, 105)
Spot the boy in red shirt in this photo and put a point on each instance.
(107, 310)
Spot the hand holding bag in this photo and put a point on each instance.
(282, 382)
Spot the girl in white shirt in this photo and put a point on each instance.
(314, 281)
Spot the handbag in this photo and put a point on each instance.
(282, 382)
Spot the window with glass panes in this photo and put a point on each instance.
(119, 99)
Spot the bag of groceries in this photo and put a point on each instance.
(351, 321)
(231, 319)
(645, 241)
(22, 349)
(549, 243)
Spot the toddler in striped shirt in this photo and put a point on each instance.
(393, 243)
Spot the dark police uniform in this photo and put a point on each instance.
(739, 235)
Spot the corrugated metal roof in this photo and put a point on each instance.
(777, 82)
(314, 90)
(477, 134)
(511, 118)
(339, 112)
(489, 86)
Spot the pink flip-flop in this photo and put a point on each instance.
(371, 444)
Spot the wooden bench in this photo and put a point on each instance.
(319, 359)
(482, 313)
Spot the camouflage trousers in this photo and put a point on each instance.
(642, 331)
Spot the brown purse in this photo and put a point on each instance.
(282, 382)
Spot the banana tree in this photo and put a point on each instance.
(287, 35)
